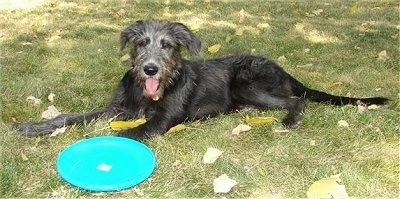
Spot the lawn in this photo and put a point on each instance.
(71, 49)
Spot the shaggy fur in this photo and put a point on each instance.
(168, 90)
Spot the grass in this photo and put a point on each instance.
(71, 49)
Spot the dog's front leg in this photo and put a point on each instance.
(157, 125)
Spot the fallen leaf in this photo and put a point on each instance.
(211, 155)
(166, 13)
(125, 57)
(281, 131)
(50, 113)
(195, 27)
(50, 97)
(122, 125)
(177, 128)
(239, 31)
(138, 191)
(317, 12)
(260, 120)
(223, 184)
(214, 48)
(121, 12)
(242, 16)
(33, 100)
(304, 65)
(373, 107)
(58, 131)
(343, 123)
(383, 55)
(328, 188)
(24, 157)
(241, 128)
(228, 39)
(299, 27)
(53, 38)
(282, 59)
(26, 43)
(263, 26)
(354, 9)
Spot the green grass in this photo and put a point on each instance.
(71, 49)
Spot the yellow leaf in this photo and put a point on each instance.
(125, 57)
(122, 125)
(242, 16)
(260, 120)
(213, 49)
(354, 9)
(299, 27)
(239, 31)
(328, 188)
(263, 26)
(166, 13)
(177, 128)
(24, 157)
(195, 27)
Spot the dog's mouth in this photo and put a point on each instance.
(151, 85)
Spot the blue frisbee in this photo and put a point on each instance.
(106, 163)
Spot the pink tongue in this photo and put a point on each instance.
(152, 85)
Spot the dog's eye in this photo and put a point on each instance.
(165, 44)
(143, 42)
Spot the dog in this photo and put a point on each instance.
(167, 89)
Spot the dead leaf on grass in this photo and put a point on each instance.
(177, 128)
(50, 113)
(239, 31)
(281, 131)
(211, 155)
(214, 48)
(260, 120)
(240, 129)
(58, 131)
(33, 100)
(305, 66)
(343, 123)
(24, 157)
(242, 16)
(383, 55)
(223, 184)
(195, 27)
(317, 12)
(125, 57)
(373, 107)
(263, 26)
(50, 97)
(354, 9)
(122, 125)
(330, 187)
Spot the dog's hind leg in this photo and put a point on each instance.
(263, 100)
(31, 129)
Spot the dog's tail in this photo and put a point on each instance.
(31, 129)
(302, 91)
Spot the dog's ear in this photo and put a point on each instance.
(131, 32)
(185, 37)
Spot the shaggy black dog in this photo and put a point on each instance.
(168, 90)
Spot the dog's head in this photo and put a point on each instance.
(155, 56)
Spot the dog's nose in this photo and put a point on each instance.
(150, 69)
